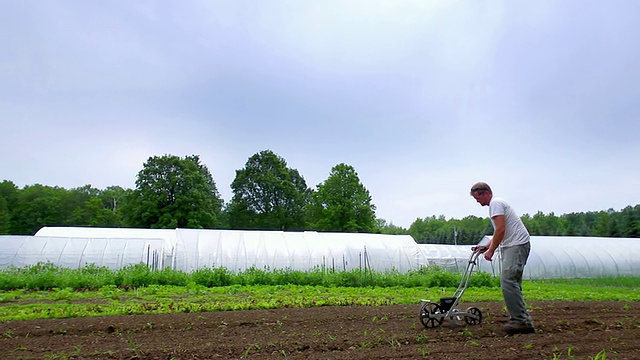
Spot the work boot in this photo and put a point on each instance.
(514, 327)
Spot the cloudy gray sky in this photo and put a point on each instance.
(423, 98)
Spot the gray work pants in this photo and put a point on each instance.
(513, 260)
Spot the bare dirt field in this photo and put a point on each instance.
(564, 330)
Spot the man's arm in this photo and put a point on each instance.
(498, 235)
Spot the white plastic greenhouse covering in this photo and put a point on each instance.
(76, 252)
(237, 250)
(240, 250)
(552, 257)
(190, 249)
(451, 257)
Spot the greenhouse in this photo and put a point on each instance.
(237, 250)
(553, 257)
(77, 252)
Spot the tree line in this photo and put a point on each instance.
(174, 192)
(469, 230)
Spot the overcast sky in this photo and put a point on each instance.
(541, 99)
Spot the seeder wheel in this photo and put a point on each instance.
(473, 321)
(426, 315)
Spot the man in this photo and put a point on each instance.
(512, 238)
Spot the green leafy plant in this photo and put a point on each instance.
(602, 355)
(424, 351)
(394, 343)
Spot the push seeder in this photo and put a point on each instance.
(432, 314)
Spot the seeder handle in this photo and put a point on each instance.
(479, 249)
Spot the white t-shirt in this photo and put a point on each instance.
(515, 232)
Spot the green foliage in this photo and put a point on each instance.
(111, 214)
(10, 279)
(212, 277)
(180, 192)
(438, 230)
(483, 279)
(169, 276)
(384, 227)
(352, 278)
(45, 276)
(342, 203)
(32, 207)
(135, 276)
(436, 277)
(469, 230)
(8, 199)
(254, 276)
(609, 223)
(596, 282)
(175, 192)
(110, 300)
(268, 195)
(140, 275)
(39, 205)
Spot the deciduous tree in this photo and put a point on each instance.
(37, 206)
(268, 195)
(8, 198)
(174, 192)
(342, 203)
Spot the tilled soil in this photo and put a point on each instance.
(564, 330)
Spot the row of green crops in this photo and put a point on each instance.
(47, 291)
(25, 304)
(48, 276)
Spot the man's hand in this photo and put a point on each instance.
(488, 255)
(480, 249)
